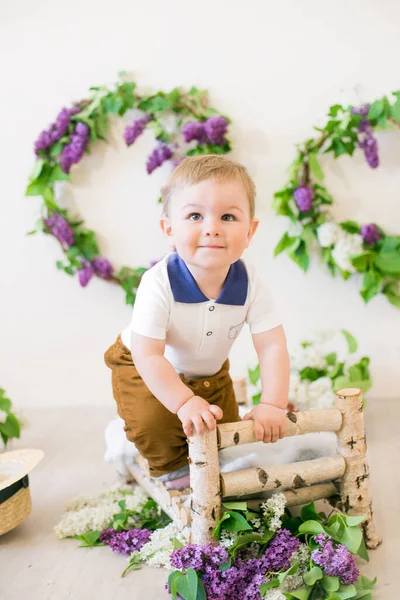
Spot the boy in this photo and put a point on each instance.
(170, 370)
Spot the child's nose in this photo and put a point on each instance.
(211, 227)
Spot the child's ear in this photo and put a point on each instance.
(166, 228)
(253, 228)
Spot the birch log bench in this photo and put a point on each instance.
(343, 477)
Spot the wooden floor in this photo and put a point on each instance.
(35, 565)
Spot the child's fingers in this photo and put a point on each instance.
(275, 434)
(187, 428)
(216, 411)
(209, 419)
(198, 423)
(258, 431)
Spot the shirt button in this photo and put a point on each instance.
(209, 332)
(207, 384)
(211, 308)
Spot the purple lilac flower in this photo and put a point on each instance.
(60, 228)
(125, 542)
(215, 129)
(370, 234)
(73, 152)
(157, 157)
(303, 196)
(360, 110)
(194, 131)
(200, 558)
(56, 129)
(338, 561)
(102, 267)
(132, 132)
(369, 145)
(243, 578)
(86, 273)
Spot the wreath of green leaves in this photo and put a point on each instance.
(347, 247)
(73, 134)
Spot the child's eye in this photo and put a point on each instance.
(228, 217)
(194, 216)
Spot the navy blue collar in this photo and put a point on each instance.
(185, 289)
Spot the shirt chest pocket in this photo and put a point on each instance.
(234, 330)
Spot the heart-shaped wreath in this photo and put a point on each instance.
(197, 129)
(347, 247)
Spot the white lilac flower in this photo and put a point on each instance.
(3, 416)
(295, 229)
(227, 538)
(301, 398)
(292, 582)
(274, 594)
(95, 511)
(307, 357)
(86, 519)
(157, 551)
(328, 234)
(301, 555)
(273, 509)
(347, 245)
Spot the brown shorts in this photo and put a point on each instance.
(156, 432)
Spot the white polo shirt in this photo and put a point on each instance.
(198, 331)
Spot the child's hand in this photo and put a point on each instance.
(269, 422)
(196, 413)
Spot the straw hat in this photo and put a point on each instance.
(15, 496)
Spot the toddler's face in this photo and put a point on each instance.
(209, 223)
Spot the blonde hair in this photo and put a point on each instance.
(195, 169)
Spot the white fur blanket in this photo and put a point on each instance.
(291, 449)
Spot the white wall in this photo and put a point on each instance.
(274, 68)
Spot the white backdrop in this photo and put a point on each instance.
(274, 68)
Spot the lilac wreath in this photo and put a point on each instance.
(199, 129)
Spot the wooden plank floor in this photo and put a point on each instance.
(35, 565)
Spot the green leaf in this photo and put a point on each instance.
(375, 110)
(352, 537)
(244, 539)
(388, 262)
(309, 513)
(58, 174)
(362, 261)
(89, 539)
(5, 403)
(11, 428)
(346, 591)
(236, 522)
(235, 505)
(313, 575)
(395, 110)
(350, 226)
(331, 358)
(254, 374)
(300, 256)
(256, 399)
(330, 583)
(351, 341)
(284, 243)
(177, 544)
(192, 582)
(315, 166)
(56, 149)
(37, 169)
(300, 594)
(395, 300)
(312, 527)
